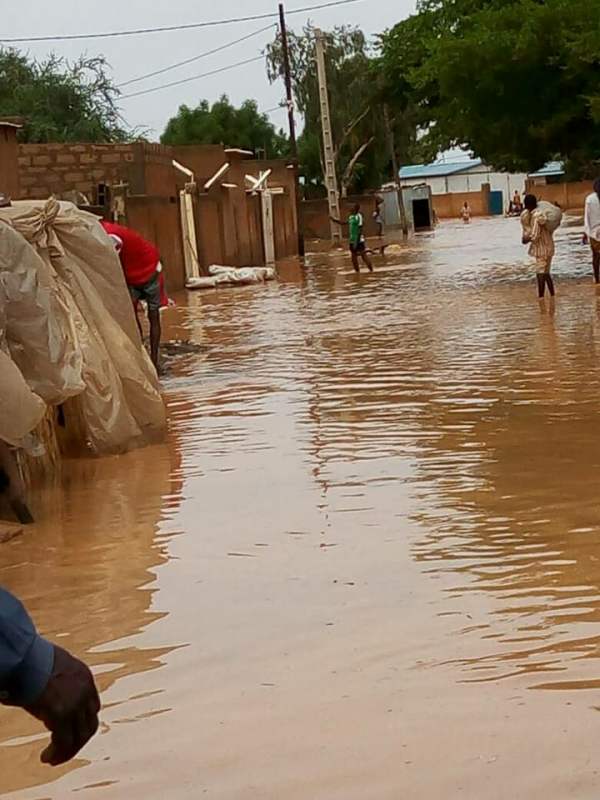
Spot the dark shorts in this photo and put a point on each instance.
(149, 292)
(357, 247)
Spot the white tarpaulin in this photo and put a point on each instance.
(67, 322)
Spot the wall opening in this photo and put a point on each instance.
(421, 215)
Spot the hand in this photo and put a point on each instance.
(68, 707)
(526, 239)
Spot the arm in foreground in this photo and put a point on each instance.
(337, 221)
(47, 682)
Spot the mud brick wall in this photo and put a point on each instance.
(53, 169)
(9, 171)
(285, 220)
(567, 195)
(316, 216)
(157, 219)
(448, 206)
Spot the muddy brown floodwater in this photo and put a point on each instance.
(367, 562)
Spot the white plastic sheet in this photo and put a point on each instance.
(67, 321)
(231, 276)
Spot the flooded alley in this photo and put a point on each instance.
(366, 563)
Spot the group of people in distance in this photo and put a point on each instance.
(540, 219)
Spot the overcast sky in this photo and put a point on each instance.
(132, 56)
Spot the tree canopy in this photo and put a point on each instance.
(222, 123)
(515, 81)
(60, 101)
(362, 154)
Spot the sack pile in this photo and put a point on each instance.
(68, 333)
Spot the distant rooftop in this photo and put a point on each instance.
(442, 169)
(551, 168)
(438, 170)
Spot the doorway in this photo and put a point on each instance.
(496, 203)
(421, 215)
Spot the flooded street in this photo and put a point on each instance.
(365, 564)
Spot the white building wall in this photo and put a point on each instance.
(471, 180)
(437, 185)
(504, 182)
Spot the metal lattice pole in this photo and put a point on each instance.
(328, 151)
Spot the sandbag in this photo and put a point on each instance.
(20, 409)
(552, 213)
(70, 325)
(231, 276)
(37, 322)
(242, 274)
(202, 282)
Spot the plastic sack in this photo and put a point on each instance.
(20, 409)
(231, 276)
(552, 213)
(37, 321)
(75, 334)
(202, 282)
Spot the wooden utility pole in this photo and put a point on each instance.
(292, 125)
(392, 146)
(328, 151)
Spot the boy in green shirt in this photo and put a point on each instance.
(356, 238)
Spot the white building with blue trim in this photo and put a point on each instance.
(467, 175)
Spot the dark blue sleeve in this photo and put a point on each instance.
(26, 660)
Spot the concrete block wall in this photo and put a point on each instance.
(53, 169)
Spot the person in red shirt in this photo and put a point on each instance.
(143, 273)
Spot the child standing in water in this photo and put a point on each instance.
(539, 221)
(465, 213)
(356, 239)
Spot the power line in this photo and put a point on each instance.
(195, 58)
(192, 78)
(171, 28)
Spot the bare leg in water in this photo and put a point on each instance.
(365, 257)
(155, 332)
(541, 284)
(544, 279)
(596, 265)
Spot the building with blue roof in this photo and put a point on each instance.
(464, 175)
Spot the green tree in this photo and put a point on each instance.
(515, 81)
(361, 153)
(60, 101)
(222, 123)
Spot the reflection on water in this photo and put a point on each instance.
(85, 573)
(385, 490)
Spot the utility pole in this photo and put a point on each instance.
(392, 146)
(328, 152)
(292, 125)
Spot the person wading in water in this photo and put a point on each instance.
(356, 239)
(539, 221)
(592, 227)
